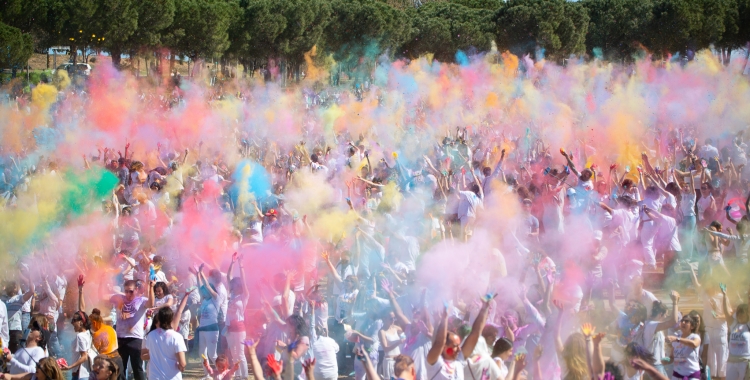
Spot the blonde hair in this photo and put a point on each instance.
(50, 369)
(574, 356)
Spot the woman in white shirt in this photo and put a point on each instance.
(25, 359)
(164, 349)
(739, 339)
(238, 296)
(685, 346)
(81, 347)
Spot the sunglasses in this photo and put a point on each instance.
(129, 291)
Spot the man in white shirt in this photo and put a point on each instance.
(446, 358)
(131, 317)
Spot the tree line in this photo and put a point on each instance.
(254, 31)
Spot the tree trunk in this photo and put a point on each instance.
(728, 56)
(116, 54)
(171, 62)
(73, 54)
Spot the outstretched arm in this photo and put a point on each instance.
(476, 330)
(438, 343)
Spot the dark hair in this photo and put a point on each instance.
(111, 366)
(627, 183)
(81, 316)
(163, 287)
(298, 324)
(502, 345)
(657, 309)
(221, 358)
(635, 350)
(692, 320)
(96, 316)
(639, 311)
(673, 189)
(613, 369)
(163, 318)
(129, 283)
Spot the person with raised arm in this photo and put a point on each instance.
(447, 357)
(738, 363)
(238, 298)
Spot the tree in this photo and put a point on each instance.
(70, 22)
(154, 16)
(736, 37)
(200, 27)
(674, 27)
(15, 48)
(116, 21)
(558, 27)
(445, 28)
(365, 28)
(617, 26)
(305, 22)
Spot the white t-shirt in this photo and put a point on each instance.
(443, 370)
(221, 290)
(476, 365)
(687, 204)
(290, 308)
(668, 228)
(236, 308)
(25, 360)
(324, 351)
(163, 347)
(4, 333)
(739, 340)
(628, 220)
(653, 341)
(468, 204)
(685, 358)
(82, 343)
(131, 317)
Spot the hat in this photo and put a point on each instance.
(272, 212)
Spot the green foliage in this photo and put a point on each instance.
(15, 47)
(617, 26)
(200, 27)
(557, 26)
(305, 22)
(153, 17)
(116, 21)
(256, 30)
(364, 28)
(675, 26)
(444, 28)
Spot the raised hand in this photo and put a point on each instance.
(386, 285)
(674, 296)
(81, 281)
(235, 257)
(587, 329)
(488, 297)
(274, 365)
(308, 365)
(723, 288)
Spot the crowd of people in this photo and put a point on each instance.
(200, 256)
